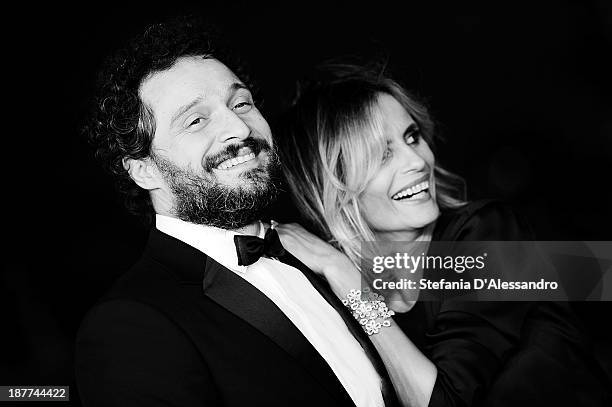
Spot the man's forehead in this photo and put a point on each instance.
(189, 77)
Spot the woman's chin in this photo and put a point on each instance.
(423, 215)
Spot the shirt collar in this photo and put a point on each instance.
(215, 242)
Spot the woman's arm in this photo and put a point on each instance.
(412, 374)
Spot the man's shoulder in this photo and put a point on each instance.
(167, 279)
(135, 291)
(148, 299)
(165, 265)
(144, 275)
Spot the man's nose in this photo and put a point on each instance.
(411, 160)
(232, 127)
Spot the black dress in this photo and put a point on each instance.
(502, 353)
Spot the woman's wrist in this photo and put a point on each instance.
(370, 309)
(342, 277)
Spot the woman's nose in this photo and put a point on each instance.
(411, 160)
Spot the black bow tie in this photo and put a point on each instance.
(250, 248)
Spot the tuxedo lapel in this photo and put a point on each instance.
(246, 302)
(323, 288)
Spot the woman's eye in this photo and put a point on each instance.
(243, 107)
(412, 137)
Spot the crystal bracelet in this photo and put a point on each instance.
(372, 313)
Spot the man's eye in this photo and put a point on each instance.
(196, 122)
(243, 107)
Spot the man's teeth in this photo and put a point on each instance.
(235, 161)
(413, 190)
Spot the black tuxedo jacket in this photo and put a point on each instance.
(179, 329)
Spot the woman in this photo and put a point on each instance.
(357, 155)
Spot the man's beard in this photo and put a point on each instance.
(202, 199)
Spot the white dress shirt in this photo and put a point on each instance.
(293, 294)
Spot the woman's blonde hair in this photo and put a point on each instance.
(331, 143)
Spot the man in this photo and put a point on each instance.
(201, 319)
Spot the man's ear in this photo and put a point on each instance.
(144, 172)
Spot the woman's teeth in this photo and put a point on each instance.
(227, 164)
(414, 192)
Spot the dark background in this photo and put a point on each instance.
(521, 93)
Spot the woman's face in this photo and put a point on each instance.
(400, 198)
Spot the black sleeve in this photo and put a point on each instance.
(470, 341)
(129, 354)
(484, 221)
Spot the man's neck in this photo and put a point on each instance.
(251, 229)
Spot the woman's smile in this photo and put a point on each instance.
(414, 191)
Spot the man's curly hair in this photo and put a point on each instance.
(121, 125)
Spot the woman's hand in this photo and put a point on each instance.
(321, 257)
(412, 374)
(335, 266)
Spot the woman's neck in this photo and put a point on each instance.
(407, 235)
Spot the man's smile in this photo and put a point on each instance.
(245, 154)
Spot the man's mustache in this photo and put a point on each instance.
(231, 151)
